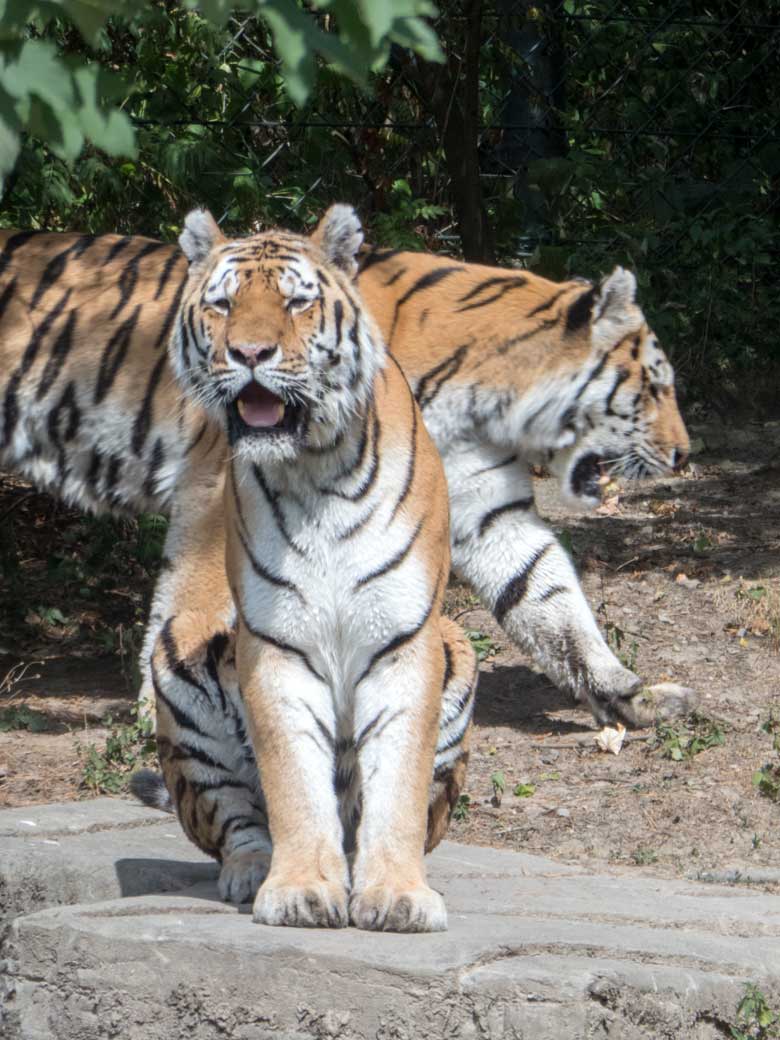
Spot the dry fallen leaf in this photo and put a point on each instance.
(609, 739)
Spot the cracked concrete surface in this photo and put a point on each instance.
(135, 943)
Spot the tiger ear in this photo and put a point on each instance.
(339, 236)
(616, 296)
(200, 235)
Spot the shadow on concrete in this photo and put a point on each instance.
(149, 877)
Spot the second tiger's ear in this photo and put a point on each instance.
(201, 234)
(339, 235)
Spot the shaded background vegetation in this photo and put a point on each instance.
(564, 136)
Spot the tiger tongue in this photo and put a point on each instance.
(258, 407)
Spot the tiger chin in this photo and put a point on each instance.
(339, 670)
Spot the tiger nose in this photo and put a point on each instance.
(679, 459)
(251, 354)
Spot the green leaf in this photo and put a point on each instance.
(524, 790)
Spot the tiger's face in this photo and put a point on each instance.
(624, 419)
(272, 338)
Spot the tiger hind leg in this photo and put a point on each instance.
(452, 748)
(205, 754)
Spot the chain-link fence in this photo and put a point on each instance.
(563, 135)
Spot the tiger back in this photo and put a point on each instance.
(508, 369)
(340, 669)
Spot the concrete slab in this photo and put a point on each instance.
(83, 852)
(535, 951)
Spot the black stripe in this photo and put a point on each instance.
(338, 317)
(286, 648)
(197, 438)
(116, 249)
(93, 473)
(393, 562)
(519, 504)
(12, 244)
(447, 665)
(180, 717)
(155, 464)
(541, 307)
(8, 294)
(598, 368)
(426, 281)
(402, 638)
(370, 477)
(273, 504)
(182, 750)
(170, 315)
(114, 355)
(411, 465)
(556, 590)
(59, 352)
(439, 375)
(167, 270)
(358, 525)
(263, 572)
(579, 312)
(498, 465)
(113, 471)
(175, 664)
(11, 405)
(129, 277)
(143, 419)
(523, 337)
(394, 277)
(516, 588)
(488, 283)
(516, 284)
(375, 256)
(620, 377)
(52, 272)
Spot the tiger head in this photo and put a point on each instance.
(271, 338)
(620, 415)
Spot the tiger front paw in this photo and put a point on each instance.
(314, 904)
(383, 908)
(242, 874)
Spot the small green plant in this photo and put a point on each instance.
(461, 810)
(684, 740)
(702, 543)
(128, 746)
(524, 790)
(756, 1020)
(482, 643)
(498, 780)
(150, 541)
(20, 716)
(643, 857)
(616, 638)
(767, 778)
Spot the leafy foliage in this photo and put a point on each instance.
(684, 740)
(767, 778)
(128, 747)
(645, 137)
(757, 1020)
(65, 99)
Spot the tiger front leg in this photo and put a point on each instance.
(396, 723)
(290, 714)
(518, 568)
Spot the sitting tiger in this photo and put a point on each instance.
(507, 368)
(340, 670)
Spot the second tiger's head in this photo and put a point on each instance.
(271, 336)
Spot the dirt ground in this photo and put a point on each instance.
(684, 574)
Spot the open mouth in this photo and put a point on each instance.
(258, 412)
(588, 476)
